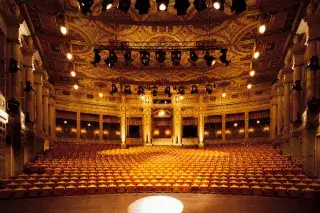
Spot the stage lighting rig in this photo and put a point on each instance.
(223, 57)
(127, 57)
(200, 5)
(176, 58)
(194, 90)
(106, 4)
(85, 6)
(154, 90)
(182, 6)
(181, 90)
(112, 59)
(13, 65)
(193, 57)
(209, 89)
(144, 58)
(167, 91)
(97, 57)
(113, 90)
(314, 63)
(160, 56)
(142, 6)
(124, 5)
(210, 60)
(141, 90)
(127, 90)
(238, 6)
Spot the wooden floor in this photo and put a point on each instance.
(200, 203)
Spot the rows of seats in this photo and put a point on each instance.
(71, 169)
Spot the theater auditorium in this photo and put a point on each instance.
(159, 106)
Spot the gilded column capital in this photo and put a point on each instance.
(286, 73)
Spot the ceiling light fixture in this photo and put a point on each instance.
(100, 94)
(182, 6)
(162, 4)
(167, 91)
(256, 55)
(144, 57)
(262, 29)
(219, 4)
(223, 57)
(249, 86)
(127, 57)
(200, 5)
(193, 57)
(73, 73)
(76, 87)
(210, 60)
(142, 6)
(106, 4)
(124, 5)
(69, 56)
(85, 6)
(63, 30)
(97, 57)
(252, 73)
(224, 95)
(176, 58)
(112, 59)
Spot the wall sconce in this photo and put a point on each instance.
(73, 130)
(117, 133)
(206, 133)
(156, 132)
(105, 132)
(167, 132)
(228, 132)
(84, 131)
(59, 129)
(96, 132)
(266, 129)
(219, 132)
(241, 131)
(251, 130)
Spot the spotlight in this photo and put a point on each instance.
(76, 87)
(144, 58)
(112, 59)
(73, 74)
(194, 90)
(219, 5)
(314, 63)
(127, 57)
(106, 4)
(256, 55)
(223, 57)
(142, 6)
(167, 91)
(124, 5)
(69, 56)
(154, 90)
(97, 57)
(127, 90)
(175, 58)
(182, 6)
(140, 90)
(28, 87)
(238, 6)
(13, 65)
(252, 73)
(63, 30)
(249, 86)
(100, 94)
(162, 4)
(262, 29)
(297, 86)
(200, 5)
(181, 90)
(193, 57)
(210, 60)
(113, 90)
(209, 89)
(160, 56)
(85, 6)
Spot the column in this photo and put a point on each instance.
(52, 118)
(177, 126)
(274, 111)
(146, 123)
(123, 129)
(39, 110)
(223, 127)
(28, 51)
(201, 127)
(246, 125)
(45, 99)
(78, 124)
(101, 127)
(287, 78)
(280, 109)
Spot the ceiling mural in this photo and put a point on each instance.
(236, 33)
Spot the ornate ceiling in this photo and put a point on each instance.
(237, 33)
